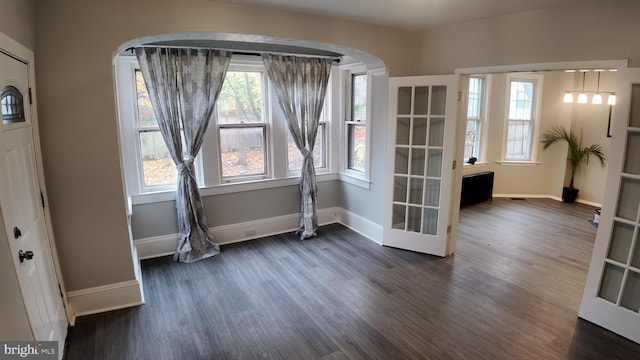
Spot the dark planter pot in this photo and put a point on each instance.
(569, 195)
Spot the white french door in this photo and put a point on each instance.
(419, 165)
(611, 297)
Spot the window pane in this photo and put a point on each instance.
(146, 116)
(359, 98)
(474, 98)
(474, 117)
(472, 139)
(240, 99)
(357, 146)
(319, 155)
(157, 166)
(519, 124)
(242, 151)
(521, 100)
(518, 135)
(12, 106)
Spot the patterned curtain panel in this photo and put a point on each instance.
(300, 84)
(183, 86)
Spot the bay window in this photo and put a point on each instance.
(247, 141)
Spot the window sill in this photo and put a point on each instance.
(355, 179)
(228, 188)
(477, 163)
(522, 163)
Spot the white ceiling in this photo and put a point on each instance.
(411, 14)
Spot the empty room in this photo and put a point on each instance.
(293, 179)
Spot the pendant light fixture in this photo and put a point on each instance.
(582, 97)
(597, 98)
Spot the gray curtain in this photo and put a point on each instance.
(183, 86)
(300, 84)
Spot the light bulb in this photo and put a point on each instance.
(611, 100)
(582, 98)
(597, 99)
(568, 97)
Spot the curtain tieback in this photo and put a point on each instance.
(306, 153)
(187, 165)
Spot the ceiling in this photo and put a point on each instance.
(411, 14)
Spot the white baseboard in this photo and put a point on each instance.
(156, 246)
(537, 196)
(362, 226)
(165, 245)
(229, 234)
(590, 203)
(526, 196)
(104, 298)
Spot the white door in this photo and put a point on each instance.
(611, 297)
(22, 208)
(420, 167)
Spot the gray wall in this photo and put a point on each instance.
(158, 219)
(75, 47)
(369, 203)
(599, 30)
(17, 21)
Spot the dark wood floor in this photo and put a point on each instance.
(511, 291)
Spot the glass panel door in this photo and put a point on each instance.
(419, 137)
(421, 134)
(612, 293)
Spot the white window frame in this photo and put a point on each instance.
(207, 163)
(246, 65)
(481, 140)
(353, 176)
(535, 120)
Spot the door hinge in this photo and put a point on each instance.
(454, 165)
(459, 95)
(448, 229)
(42, 198)
(60, 289)
(30, 97)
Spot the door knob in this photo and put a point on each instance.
(22, 255)
(16, 232)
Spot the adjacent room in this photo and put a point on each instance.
(292, 179)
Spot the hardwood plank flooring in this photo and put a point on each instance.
(511, 291)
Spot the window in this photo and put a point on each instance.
(357, 124)
(247, 141)
(157, 167)
(294, 158)
(242, 128)
(521, 118)
(12, 106)
(475, 117)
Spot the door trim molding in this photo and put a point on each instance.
(538, 67)
(25, 55)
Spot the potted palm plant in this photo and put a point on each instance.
(576, 157)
